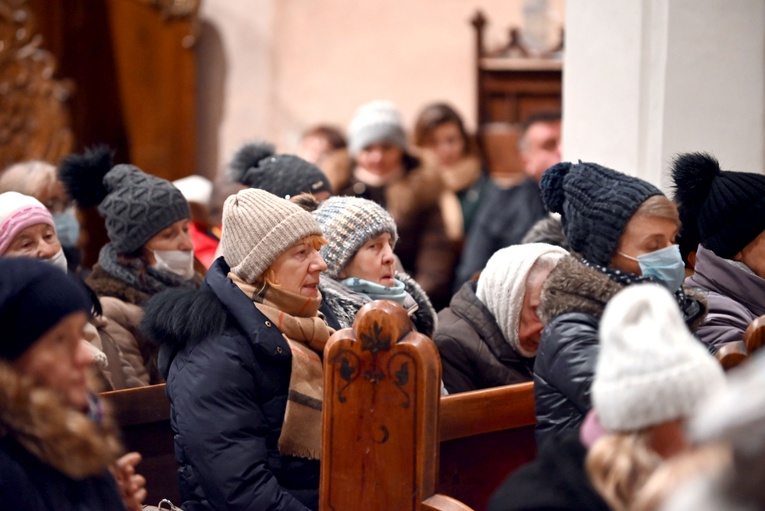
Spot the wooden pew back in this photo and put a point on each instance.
(144, 417)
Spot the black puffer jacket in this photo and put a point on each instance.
(228, 371)
(474, 353)
(572, 302)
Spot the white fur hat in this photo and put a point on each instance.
(651, 369)
(502, 285)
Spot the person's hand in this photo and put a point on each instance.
(132, 485)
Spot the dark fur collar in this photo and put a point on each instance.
(57, 435)
(573, 287)
(105, 284)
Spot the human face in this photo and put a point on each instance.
(380, 159)
(297, 269)
(447, 143)
(373, 261)
(313, 148)
(38, 241)
(540, 148)
(59, 360)
(174, 237)
(753, 255)
(643, 234)
(529, 325)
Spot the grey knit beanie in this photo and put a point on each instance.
(348, 223)
(595, 204)
(136, 206)
(258, 227)
(378, 121)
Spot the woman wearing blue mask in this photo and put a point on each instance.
(622, 231)
(149, 249)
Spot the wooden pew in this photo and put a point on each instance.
(734, 353)
(385, 429)
(485, 435)
(465, 444)
(144, 416)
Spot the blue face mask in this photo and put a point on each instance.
(67, 228)
(665, 266)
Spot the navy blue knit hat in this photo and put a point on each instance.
(34, 297)
(595, 204)
(722, 210)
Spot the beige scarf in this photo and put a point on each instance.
(302, 325)
(462, 174)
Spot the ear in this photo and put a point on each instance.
(738, 257)
(692, 259)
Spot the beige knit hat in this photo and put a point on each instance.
(258, 227)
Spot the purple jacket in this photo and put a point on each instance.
(735, 298)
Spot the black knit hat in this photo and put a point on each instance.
(595, 204)
(284, 175)
(723, 210)
(135, 205)
(34, 297)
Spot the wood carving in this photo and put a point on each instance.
(754, 336)
(179, 9)
(380, 432)
(35, 123)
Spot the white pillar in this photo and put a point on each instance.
(645, 80)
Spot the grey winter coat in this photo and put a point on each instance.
(474, 353)
(735, 297)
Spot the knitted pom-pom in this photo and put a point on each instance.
(552, 186)
(247, 157)
(83, 175)
(692, 177)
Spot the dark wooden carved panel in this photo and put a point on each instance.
(35, 118)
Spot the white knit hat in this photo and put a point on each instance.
(502, 286)
(258, 227)
(17, 212)
(378, 121)
(195, 188)
(651, 369)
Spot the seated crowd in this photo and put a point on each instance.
(610, 296)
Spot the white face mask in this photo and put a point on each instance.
(179, 262)
(58, 260)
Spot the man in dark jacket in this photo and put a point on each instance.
(508, 213)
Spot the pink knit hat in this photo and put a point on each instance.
(17, 212)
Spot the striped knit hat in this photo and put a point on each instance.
(258, 227)
(17, 212)
(348, 223)
(595, 204)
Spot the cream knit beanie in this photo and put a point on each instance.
(650, 369)
(258, 227)
(502, 285)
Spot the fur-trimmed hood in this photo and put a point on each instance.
(57, 435)
(104, 284)
(344, 303)
(573, 287)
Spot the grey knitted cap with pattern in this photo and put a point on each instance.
(348, 223)
(258, 227)
(138, 206)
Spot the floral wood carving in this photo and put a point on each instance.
(35, 118)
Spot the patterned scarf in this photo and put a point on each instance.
(626, 279)
(303, 327)
(151, 281)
